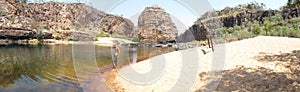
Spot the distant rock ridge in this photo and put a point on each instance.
(56, 17)
(155, 26)
(228, 17)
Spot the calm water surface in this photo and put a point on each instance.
(50, 68)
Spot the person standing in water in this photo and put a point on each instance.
(115, 56)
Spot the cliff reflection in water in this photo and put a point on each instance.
(50, 67)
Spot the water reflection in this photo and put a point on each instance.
(50, 67)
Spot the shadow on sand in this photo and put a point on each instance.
(259, 79)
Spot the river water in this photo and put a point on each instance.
(56, 68)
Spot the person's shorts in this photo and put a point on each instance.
(115, 60)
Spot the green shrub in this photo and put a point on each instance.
(294, 20)
(220, 32)
(39, 34)
(293, 33)
(267, 25)
(136, 39)
(115, 35)
(227, 35)
(244, 34)
(273, 32)
(237, 28)
(257, 29)
(102, 34)
(57, 36)
(297, 34)
(296, 27)
(70, 38)
(230, 30)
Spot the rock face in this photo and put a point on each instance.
(115, 24)
(228, 17)
(56, 17)
(155, 26)
(16, 33)
(290, 12)
(196, 32)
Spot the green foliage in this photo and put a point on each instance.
(278, 18)
(227, 35)
(220, 32)
(257, 29)
(284, 31)
(101, 34)
(70, 38)
(273, 32)
(39, 34)
(294, 20)
(267, 25)
(295, 27)
(242, 34)
(237, 28)
(230, 30)
(115, 35)
(57, 36)
(135, 39)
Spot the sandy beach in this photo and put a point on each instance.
(194, 70)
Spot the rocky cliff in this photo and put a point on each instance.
(58, 19)
(228, 17)
(155, 25)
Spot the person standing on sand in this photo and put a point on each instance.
(115, 56)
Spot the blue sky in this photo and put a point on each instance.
(183, 11)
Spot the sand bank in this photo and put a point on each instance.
(181, 70)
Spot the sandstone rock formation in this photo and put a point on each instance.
(56, 17)
(228, 17)
(155, 25)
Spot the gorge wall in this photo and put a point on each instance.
(228, 17)
(156, 26)
(58, 19)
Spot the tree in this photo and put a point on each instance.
(39, 34)
(267, 25)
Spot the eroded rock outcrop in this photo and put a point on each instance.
(228, 17)
(155, 25)
(56, 17)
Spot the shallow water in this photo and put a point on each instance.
(51, 68)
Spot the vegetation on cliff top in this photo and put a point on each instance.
(269, 26)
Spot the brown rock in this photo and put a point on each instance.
(155, 25)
